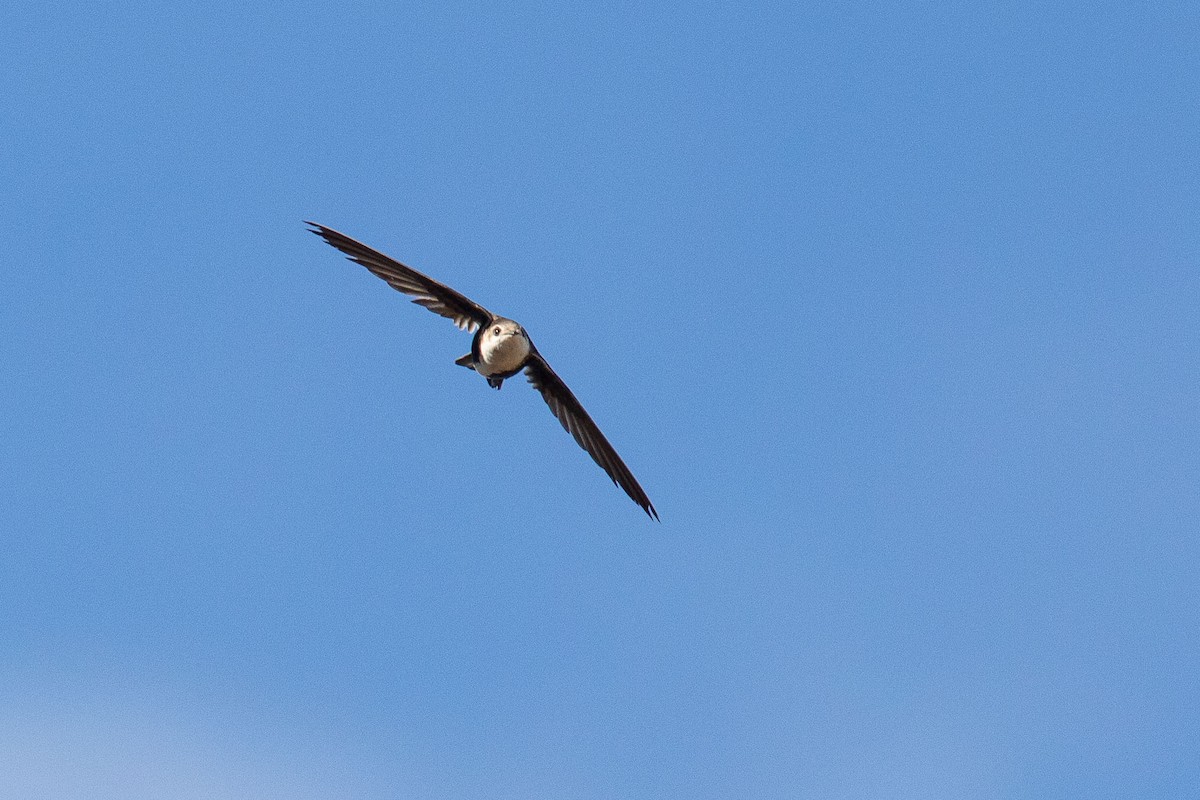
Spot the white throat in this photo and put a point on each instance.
(503, 352)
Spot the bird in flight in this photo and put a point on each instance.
(501, 348)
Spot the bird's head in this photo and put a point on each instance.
(502, 328)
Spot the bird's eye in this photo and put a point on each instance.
(496, 331)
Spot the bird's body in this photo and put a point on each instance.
(499, 350)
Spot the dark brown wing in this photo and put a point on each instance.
(437, 297)
(577, 422)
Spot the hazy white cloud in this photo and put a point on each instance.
(100, 749)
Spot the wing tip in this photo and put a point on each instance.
(326, 233)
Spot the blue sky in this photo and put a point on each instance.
(892, 311)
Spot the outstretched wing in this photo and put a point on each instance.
(577, 422)
(437, 297)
